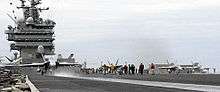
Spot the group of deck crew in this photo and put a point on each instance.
(125, 69)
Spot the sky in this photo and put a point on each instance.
(134, 31)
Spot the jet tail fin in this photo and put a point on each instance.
(43, 57)
(71, 56)
(117, 62)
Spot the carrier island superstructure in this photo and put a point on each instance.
(31, 31)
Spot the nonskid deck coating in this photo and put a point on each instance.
(62, 84)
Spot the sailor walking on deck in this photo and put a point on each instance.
(126, 69)
(141, 69)
(152, 68)
(129, 69)
(132, 68)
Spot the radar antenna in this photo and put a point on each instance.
(12, 18)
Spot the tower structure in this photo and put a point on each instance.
(31, 32)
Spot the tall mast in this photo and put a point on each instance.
(32, 10)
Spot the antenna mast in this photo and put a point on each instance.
(12, 18)
(32, 11)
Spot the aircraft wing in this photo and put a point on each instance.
(32, 65)
(67, 64)
(166, 67)
(23, 65)
(117, 66)
(9, 59)
(109, 66)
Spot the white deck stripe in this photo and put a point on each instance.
(31, 85)
(207, 88)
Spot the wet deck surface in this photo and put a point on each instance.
(61, 84)
(200, 79)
